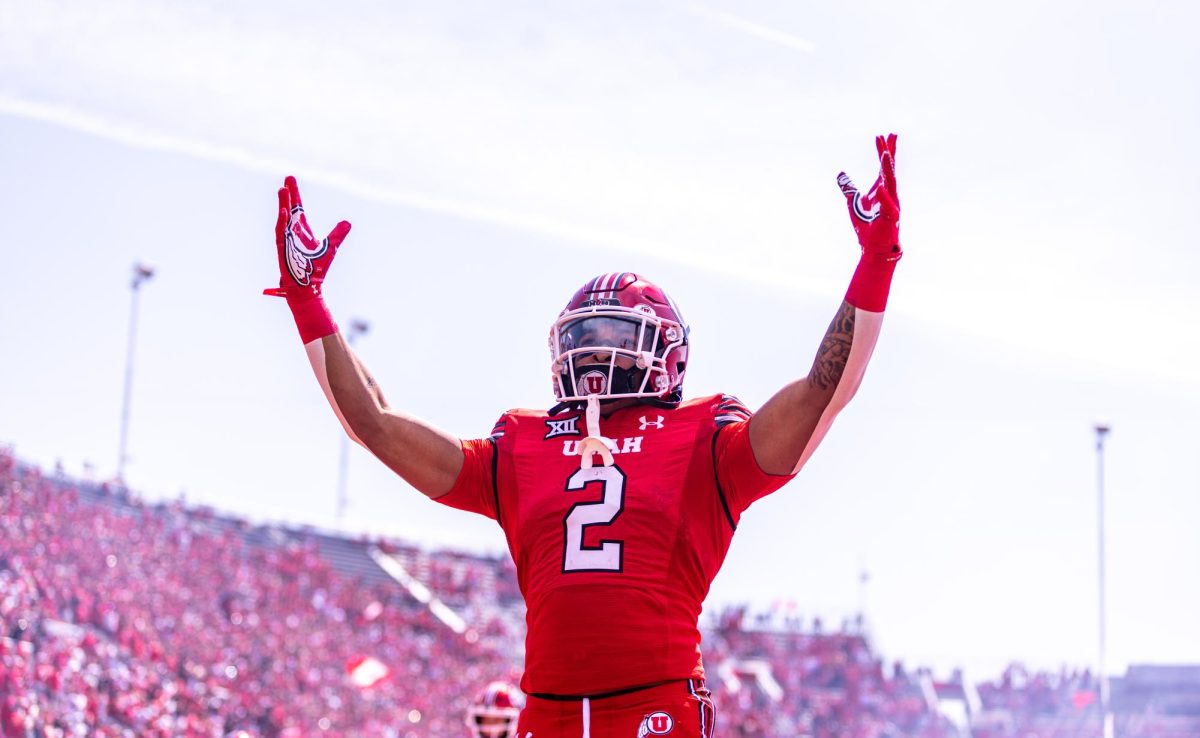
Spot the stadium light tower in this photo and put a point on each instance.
(141, 274)
(1106, 718)
(358, 327)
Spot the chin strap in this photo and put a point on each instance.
(595, 443)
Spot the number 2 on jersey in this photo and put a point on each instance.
(582, 515)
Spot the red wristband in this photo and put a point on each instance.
(871, 281)
(312, 317)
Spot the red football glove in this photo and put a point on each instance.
(303, 263)
(876, 215)
(876, 220)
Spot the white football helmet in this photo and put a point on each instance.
(495, 711)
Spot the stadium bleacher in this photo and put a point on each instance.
(122, 618)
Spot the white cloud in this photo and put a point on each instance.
(757, 30)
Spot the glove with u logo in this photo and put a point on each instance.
(876, 220)
(303, 263)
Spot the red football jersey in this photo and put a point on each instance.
(615, 562)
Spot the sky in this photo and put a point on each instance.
(493, 158)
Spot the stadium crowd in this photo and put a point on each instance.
(826, 685)
(133, 620)
(123, 619)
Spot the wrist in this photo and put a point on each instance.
(312, 316)
(872, 281)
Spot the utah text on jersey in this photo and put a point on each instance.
(623, 446)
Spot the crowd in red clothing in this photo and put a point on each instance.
(826, 685)
(1065, 704)
(132, 620)
(123, 619)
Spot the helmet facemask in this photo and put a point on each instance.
(493, 722)
(612, 352)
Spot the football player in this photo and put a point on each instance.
(494, 712)
(619, 503)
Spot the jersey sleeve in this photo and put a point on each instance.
(741, 479)
(475, 488)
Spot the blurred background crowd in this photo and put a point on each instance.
(123, 619)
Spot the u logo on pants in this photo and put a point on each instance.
(682, 709)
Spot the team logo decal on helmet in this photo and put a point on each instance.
(656, 723)
(619, 336)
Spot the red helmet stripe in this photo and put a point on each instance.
(610, 281)
(617, 283)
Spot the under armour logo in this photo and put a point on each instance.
(650, 423)
(566, 427)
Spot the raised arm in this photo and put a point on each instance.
(427, 458)
(790, 426)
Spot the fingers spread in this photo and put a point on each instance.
(887, 170)
(886, 143)
(281, 224)
(338, 234)
(887, 204)
(885, 146)
(848, 188)
(293, 190)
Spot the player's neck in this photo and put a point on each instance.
(608, 408)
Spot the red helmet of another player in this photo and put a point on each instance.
(619, 336)
(494, 712)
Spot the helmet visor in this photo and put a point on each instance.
(605, 332)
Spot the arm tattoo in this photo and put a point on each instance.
(374, 388)
(835, 350)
